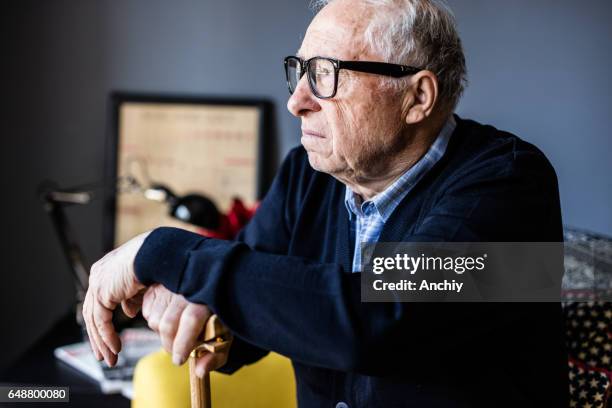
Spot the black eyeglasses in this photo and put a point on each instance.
(323, 72)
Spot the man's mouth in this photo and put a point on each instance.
(312, 133)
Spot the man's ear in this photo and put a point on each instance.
(420, 97)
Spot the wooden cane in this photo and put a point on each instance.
(216, 338)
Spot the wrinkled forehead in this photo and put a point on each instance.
(337, 31)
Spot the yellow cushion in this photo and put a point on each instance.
(269, 383)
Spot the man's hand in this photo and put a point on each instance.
(112, 281)
(179, 324)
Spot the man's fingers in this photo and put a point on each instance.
(147, 302)
(132, 305)
(169, 322)
(155, 314)
(103, 320)
(87, 317)
(190, 327)
(101, 348)
(93, 345)
(130, 309)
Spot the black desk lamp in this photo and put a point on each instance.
(191, 208)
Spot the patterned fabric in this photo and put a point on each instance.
(368, 217)
(589, 341)
(588, 388)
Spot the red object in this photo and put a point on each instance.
(232, 222)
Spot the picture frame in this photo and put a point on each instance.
(218, 147)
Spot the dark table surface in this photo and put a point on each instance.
(38, 366)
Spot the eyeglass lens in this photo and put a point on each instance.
(321, 74)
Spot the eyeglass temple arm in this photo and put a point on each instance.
(381, 68)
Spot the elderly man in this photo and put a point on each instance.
(375, 84)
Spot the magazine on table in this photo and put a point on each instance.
(136, 343)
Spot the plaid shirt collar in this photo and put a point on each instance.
(386, 201)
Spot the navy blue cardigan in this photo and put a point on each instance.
(286, 285)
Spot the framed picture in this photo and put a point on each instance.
(215, 147)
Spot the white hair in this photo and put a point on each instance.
(420, 33)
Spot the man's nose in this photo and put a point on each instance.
(302, 100)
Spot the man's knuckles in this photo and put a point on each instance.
(168, 325)
(153, 322)
(196, 314)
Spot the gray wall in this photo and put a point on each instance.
(539, 69)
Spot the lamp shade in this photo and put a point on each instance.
(197, 210)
